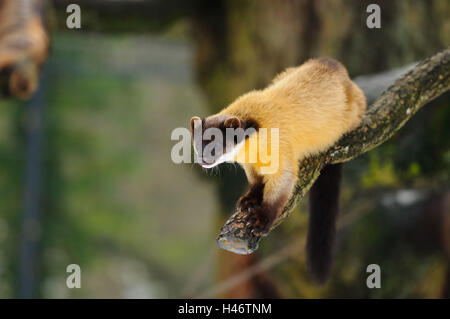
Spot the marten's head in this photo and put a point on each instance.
(218, 138)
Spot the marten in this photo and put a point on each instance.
(312, 106)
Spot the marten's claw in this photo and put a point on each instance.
(258, 221)
(260, 216)
(246, 203)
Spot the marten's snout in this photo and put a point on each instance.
(214, 138)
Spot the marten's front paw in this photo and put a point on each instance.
(260, 220)
(246, 203)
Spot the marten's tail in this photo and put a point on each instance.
(323, 212)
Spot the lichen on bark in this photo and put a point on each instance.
(383, 118)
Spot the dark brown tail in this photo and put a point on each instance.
(323, 212)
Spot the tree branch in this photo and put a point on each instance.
(295, 248)
(384, 117)
(374, 85)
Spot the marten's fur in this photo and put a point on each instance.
(312, 105)
(323, 212)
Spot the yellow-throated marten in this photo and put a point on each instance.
(312, 106)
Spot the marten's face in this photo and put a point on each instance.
(217, 138)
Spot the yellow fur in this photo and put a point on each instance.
(312, 105)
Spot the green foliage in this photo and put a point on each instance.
(108, 184)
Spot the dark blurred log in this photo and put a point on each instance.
(384, 117)
(374, 85)
(125, 15)
(24, 45)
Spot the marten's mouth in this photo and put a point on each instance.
(207, 165)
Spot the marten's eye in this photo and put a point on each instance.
(235, 139)
(213, 152)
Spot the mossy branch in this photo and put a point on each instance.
(384, 117)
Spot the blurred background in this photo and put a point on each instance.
(86, 175)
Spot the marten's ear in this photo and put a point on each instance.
(195, 121)
(232, 122)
